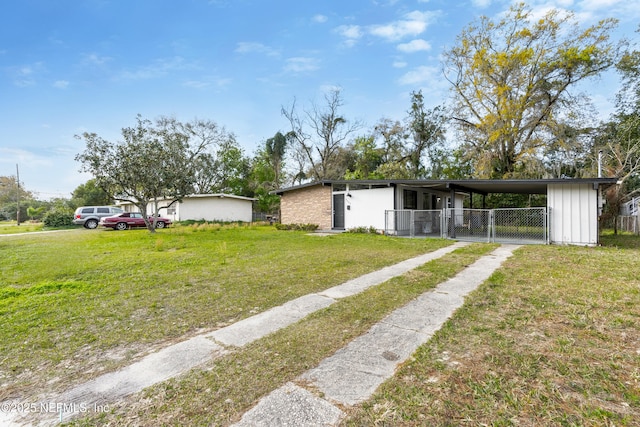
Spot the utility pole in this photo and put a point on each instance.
(17, 195)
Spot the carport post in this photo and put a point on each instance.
(452, 222)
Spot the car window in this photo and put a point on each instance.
(136, 215)
(125, 215)
(103, 210)
(87, 210)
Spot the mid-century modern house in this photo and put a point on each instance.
(207, 207)
(436, 208)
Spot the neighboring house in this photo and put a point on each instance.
(208, 207)
(435, 208)
(631, 208)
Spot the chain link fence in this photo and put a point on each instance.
(413, 223)
(526, 225)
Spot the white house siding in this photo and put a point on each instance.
(573, 214)
(225, 209)
(208, 207)
(365, 208)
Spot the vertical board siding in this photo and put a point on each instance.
(573, 214)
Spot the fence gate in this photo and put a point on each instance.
(527, 225)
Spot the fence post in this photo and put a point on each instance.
(452, 223)
(412, 224)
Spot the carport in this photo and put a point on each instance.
(569, 217)
(436, 208)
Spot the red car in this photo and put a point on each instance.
(128, 220)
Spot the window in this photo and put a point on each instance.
(171, 210)
(410, 199)
(87, 210)
(103, 210)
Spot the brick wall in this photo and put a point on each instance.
(309, 205)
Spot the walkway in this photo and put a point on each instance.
(353, 373)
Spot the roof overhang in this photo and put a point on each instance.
(476, 186)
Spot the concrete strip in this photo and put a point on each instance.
(105, 389)
(354, 372)
(260, 325)
(359, 284)
(293, 406)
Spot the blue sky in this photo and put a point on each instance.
(70, 66)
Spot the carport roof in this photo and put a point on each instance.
(479, 186)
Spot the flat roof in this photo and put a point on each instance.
(479, 186)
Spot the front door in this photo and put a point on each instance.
(338, 211)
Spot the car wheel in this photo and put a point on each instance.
(121, 226)
(91, 224)
(160, 224)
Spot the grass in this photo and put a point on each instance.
(222, 391)
(11, 227)
(75, 304)
(550, 339)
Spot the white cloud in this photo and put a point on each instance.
(416, 45)
(25, 75)
(351, 33)
(23, 157)
(301, 64)
(159, 68)
(482, 4)
(420, 75)
(205, 83)
(95, 59)
(412, 24)
(320, 19)
(253, 47)
(61, 84)
(399, 64)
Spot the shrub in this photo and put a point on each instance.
(363, 230)
(58, 218)
(297, 227)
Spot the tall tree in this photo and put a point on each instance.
(512, 81)
(319, 134)
(367, 159)
(427, 128)
(231, 169)
(153, 162)
(211, 141)
(275, 149)
(267, 172)
(619, 139)
(89, 194)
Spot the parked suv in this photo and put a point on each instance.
(89, 216)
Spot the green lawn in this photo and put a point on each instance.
(551, 339)
(11, 227)
(75, 303)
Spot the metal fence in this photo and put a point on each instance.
(527, 225)
(628, 223)
(413, 223)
